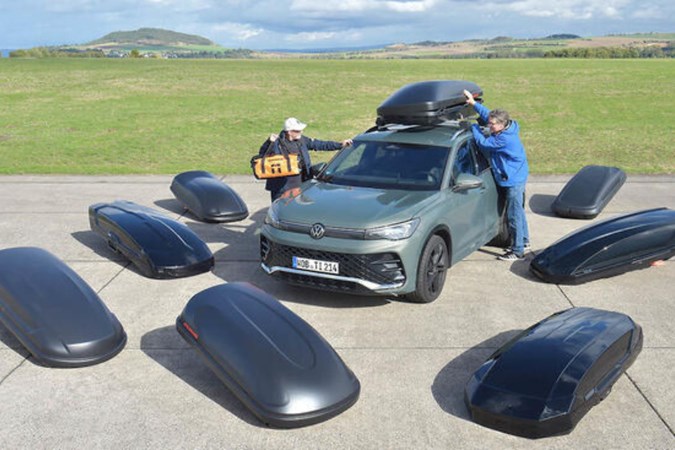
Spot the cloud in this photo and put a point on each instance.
(330, 23)
(360, 6)
(568, 9)
(238, 31)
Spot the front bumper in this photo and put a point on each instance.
(377, 273)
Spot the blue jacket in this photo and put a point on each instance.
(505, 151)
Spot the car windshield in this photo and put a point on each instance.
(388, 165)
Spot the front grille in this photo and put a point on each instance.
(378, 268)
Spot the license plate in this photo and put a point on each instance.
(316, 265)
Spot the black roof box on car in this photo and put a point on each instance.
(428, 103)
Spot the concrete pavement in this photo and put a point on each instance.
(412, 360)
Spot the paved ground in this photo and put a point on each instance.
(412, 360)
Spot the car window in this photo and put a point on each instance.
(388, 165)
(464, 161)
(481, 161)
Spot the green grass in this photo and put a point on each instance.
(166, 116)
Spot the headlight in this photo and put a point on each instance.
(394, 232)
(271, 218)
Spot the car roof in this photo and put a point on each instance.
(441, 135)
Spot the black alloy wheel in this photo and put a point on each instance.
(431, 271)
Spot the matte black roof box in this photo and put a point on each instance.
(271, 359)
(158, 246)
(542, 382)
(208, 198)
(428, 103)
(57, 317)
(628, 242)
(587, 193)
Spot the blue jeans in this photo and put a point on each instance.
(515, 216)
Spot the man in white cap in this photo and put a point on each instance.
(293, 141)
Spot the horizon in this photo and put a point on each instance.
(306, 24)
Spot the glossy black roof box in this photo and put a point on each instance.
(208, 198)
(543, 381)
(587, 193)
(628, 242)
(428, 102)
(53, 312)
(270, 358)
(158, 246)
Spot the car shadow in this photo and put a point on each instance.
(541, 204)
(166, 347)
(448, 386)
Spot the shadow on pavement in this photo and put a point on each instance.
(166, 347)
(541, 204)
(448, 386)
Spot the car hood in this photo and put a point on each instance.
(351, 207)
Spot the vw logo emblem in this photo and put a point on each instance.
(317, 231)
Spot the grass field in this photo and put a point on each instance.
(166, 116)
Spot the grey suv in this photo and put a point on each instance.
(387, 215)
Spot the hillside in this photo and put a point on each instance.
(156, 42)
(645, 45)
(151, 36)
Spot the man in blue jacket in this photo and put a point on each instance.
(292, 140)
(509, 167)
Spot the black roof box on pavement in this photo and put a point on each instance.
(57, 317)
(280, 368)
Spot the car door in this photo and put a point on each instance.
(466, 212)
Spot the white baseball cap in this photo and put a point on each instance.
(293, 124)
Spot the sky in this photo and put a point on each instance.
(326, 24)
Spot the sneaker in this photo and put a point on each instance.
(527, 247)
(510, 256)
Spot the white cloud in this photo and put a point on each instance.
(311, 36)
(568, 9)
(356, 6)
(238, 31)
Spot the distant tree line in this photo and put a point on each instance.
(611, 52)
(59, 52)
(51, 52)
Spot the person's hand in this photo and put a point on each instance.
(273, 137)
(346, 143)
(469, 97)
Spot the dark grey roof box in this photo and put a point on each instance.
(55, 315)
(271, 359)
(428, 103)
(611, 247)
(543, 381)
(587, 193)
(208, 198)
(158, 246)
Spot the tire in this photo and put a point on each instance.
(503, 238)
(431, 271)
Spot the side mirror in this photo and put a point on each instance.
(316, 169)
(466, 182)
